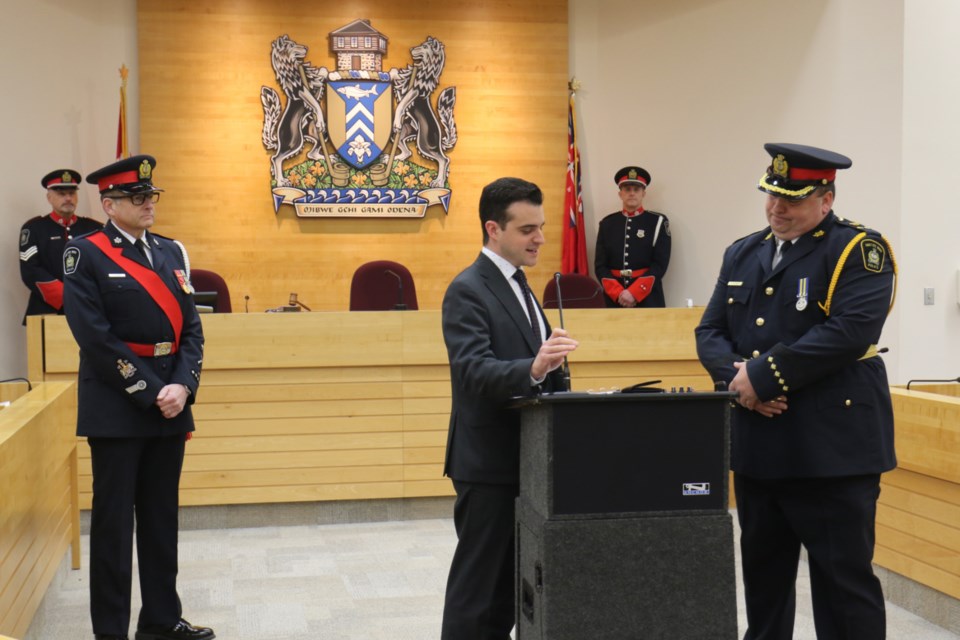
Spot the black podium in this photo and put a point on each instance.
(622, 523)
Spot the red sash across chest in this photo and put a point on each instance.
(150, 281)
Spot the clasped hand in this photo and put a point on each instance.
(171, 400)
(748, 396)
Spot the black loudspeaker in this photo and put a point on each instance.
(645, 578)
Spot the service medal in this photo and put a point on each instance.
(182, 281)
(802, 293)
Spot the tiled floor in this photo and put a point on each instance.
(363, 581)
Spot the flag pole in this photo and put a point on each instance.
(123, 150)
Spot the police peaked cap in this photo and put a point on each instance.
(798, 170)
(130, 175)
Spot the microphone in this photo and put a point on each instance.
(246, 304)
(566, 365)
(400, 306)
(934, 381)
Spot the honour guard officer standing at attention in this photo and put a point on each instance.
(43, 238)
(633, 247)
(127, 297)
(792, 326)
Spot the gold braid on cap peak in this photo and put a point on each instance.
(780, 190)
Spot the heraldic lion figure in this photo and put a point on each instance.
(416, 118)
(302, 119)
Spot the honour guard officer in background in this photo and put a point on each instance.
(43, 238)
(127, 298)
(633, 247)
(792, 326)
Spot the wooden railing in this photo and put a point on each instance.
(39, 507)
(918, 517)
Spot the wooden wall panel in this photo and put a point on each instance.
(340, 405)
(201, 66)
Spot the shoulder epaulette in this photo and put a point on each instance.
(851, 223)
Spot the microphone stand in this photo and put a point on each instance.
(909, 382)
(566, 365)
(400, 306)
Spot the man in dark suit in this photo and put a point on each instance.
(500, 346)
(128, 302)
(792, 326)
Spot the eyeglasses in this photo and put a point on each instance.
(139, 198)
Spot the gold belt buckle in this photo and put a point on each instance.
(626, 273)
(162, 349)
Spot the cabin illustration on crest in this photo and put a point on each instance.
(358, 47)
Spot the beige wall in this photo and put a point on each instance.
(930, 335)
(691, 91)
(695, 88)
(59, 61)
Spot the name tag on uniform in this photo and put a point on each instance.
(117, 275)
(735, 283)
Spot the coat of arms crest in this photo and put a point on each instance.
(362, 125)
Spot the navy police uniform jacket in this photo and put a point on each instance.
(120, 327)
(808, 331)
(42, 240)
(640, 243)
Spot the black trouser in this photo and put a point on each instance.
(834, 519)
(134, 477)
(480, 599)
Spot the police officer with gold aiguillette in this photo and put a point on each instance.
(128, 301)
(633, 247)
(793, 326)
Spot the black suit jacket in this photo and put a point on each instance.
(107, 308)
(491, 348)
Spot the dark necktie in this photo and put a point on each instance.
(143, 251)
(781, 252)
(521, 278)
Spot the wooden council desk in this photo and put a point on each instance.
(354, 405)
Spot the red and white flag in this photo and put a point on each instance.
(574, 251)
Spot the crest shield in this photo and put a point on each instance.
(359, 119)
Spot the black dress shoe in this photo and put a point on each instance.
(183, 630)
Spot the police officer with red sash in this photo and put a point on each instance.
(793, 326)
(127, 298)
(43, 238)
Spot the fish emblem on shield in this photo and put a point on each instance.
(359, 116)
(360, 139)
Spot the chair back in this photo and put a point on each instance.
(382, 285)
(577, 291)
(203, 280)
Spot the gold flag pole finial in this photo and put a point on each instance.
(573, 85)
(124, 72)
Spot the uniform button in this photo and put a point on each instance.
(760, 322)
(729, 300)
(847, 402)
(768, 291)
(756, 354)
